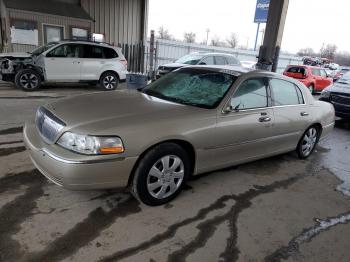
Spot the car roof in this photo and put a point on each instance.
(87, 42)
(239, 70)
(227, 69)
(305, 66)
(212, 53)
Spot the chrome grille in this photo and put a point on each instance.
(340, 99)
(48, 125)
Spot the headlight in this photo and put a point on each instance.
(91, 145)
(325, 94)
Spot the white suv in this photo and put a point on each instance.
(68, 62)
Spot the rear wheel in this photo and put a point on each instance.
(28, 79)
(161, 174)
(109, 81)
(308, 142)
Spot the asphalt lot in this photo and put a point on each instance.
(278, 209)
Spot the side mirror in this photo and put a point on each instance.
(228, 109)
(202, 63)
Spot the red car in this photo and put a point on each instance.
(315, 78)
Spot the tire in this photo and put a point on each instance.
(28, 80)
(109, 81)
(311, 89)
(308, 142)
(155, 185)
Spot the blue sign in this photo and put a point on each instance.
(261, 11)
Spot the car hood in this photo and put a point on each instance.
(100, 111)
(339, 88)
(16, 55)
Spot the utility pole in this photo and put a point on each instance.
(269, 51)
(257, 36)
(207, 34)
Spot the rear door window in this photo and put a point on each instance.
(284, 93)
(92, 51)
(220, 60)
(316, 72)
(209, 60)
(323, 73)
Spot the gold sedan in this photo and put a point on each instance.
(194, 120)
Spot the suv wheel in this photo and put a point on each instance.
(28, 79)
(161, 174)
(109, 81)
(308, 142)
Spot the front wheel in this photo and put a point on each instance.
(161, 174)
(28, 80)
(109, 81)
(308, 142)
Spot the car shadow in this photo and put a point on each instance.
(342, 124)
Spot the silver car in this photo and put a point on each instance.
(194, 120)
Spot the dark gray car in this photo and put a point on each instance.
(199, 59)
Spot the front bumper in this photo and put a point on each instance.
(341, 110)
(74, 171)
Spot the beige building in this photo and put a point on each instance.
(27, 24)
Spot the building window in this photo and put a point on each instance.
(98, 37)
(79, 33)
(53, 33)
(24, 32)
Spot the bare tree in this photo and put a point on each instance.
(306, 52)
(328, 51)
(164, 33)
(342, 58)
(215, 41)
(232, 40)
(190, 37)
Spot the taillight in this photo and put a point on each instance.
(124, 62)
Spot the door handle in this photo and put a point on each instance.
(304, 114)
(265, 119)
(76, 62)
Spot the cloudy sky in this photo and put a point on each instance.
(309, 22)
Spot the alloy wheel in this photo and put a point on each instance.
(29, 81)
(165, 177)
(309, 141)
(109, 82)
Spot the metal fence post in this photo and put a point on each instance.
(151, 55)
(156, 57)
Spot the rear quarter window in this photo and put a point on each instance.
(232, 60)
(110, 53)
(296, 69)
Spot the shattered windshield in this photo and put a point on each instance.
(195, 87)
(43, 48)
(189, 59)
